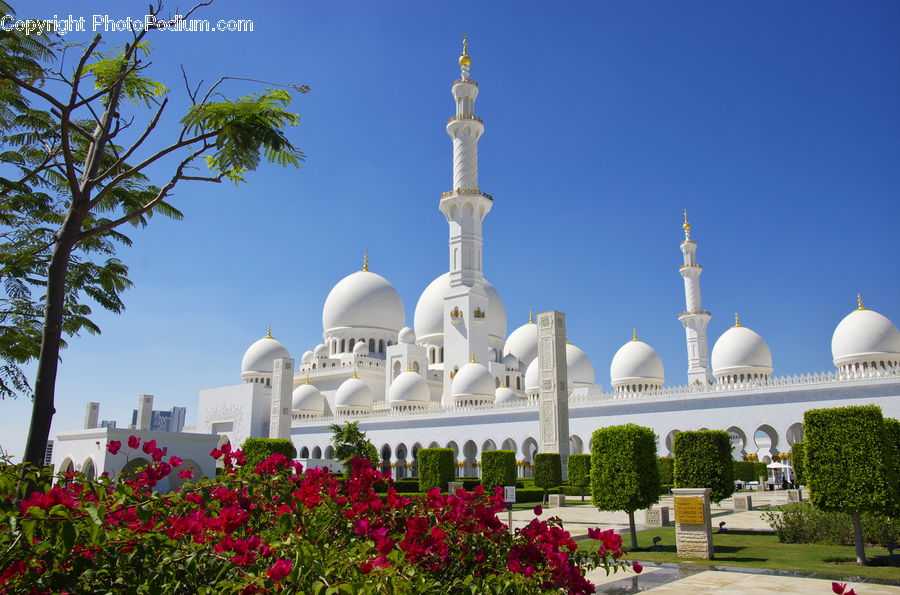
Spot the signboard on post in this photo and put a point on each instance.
(509, 494)
(689, 510)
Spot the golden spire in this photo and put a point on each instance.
(307, 379)
(354, 372)
(474, 361)
(530, 315)
(464, 59)
(687, 225)
(269, 333)
(737, 319)
(634, 334)
(409, 366)
(859, 304)
(366, 260)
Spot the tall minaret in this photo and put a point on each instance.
(465, 305)
(695, 319)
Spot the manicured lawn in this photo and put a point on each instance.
(763, 550)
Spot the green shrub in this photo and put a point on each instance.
(579, 473)
(407, 486)
(498, 468)
(798, 458)
(437, 466)
(666, 488)
(892, 431)
(703, 460)
(469, 483)
(257, 450)
(760, 469)
(801, 522)
(547, 470)
(745, 471)
(530, 495)
(666, 467)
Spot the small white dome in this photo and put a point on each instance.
(504, 394)
(306, 398)
(865, 336)
(579, 368)
(636, 363)
(259, 357)
(307, 357)
(532, 377)
(407, 335)
(473, 380)
(510, 362)
(321, 350)
(428, 319)
(361, 348)
(353, 395)
(363, 300)
(523, 343)
(740, 351)
(409, 389)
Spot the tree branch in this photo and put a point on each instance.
(136, 144)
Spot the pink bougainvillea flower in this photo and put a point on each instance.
(133, 442)
(185, 474)
(175, 461)
(637, 567)
(114, 446)
(215, 453)
(279, 570)
(538, 510)
(365, 568)
(838, 588)
(149, 447)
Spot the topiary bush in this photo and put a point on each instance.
(547, 470)
(257, 450)
(437, 467)
(703, 460)
(745, 471)
(529, 495)
(498, 468)
(666, 466)
(798, 460)
(579, 474)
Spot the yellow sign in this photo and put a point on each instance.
(689, 510)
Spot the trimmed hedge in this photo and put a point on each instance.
(798, 460)
(498, 468)
(849, 464)
(547, 470)
(760, 470)
(892, 430)
(530, 495)
(703, 460)
(666, 467)
(407, 486)
(469, 483)
(257, 450)
(745, 471)
(624, 472)
(437, 466)
(579, 474)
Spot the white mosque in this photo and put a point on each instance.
(455, 378)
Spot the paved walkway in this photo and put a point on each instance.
(686, 578)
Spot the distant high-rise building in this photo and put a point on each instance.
(163, 421)
(108, 423)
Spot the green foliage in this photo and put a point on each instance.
(437, 467)
(579, 474)
(759, 470)
(798, 462)
(529, 495)
(351, 443)
(498, 468)
(624, 472)
(547, 470)
(666, 467)
(849, 464)
(745, 471)
(703, 460)
(801, 522)
(257, 450)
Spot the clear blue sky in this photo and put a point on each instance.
(776, 124)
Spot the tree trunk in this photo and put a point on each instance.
(631, 528)
(48, 361)
(858, 538)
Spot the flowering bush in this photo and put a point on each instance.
(277, 528)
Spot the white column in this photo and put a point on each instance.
(695, 319)
(282, 387)
(553, 398)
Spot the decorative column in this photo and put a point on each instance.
(695, 319)
(465, 206)
(282, 387)
(553, 399)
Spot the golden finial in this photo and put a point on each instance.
(354, 373)
(634, 334)
(366, 260)
(409, 366)
(737, 319)
(307, 379)
(269, 333)
(464, 59)
(474, 361)
(859, 304)
(687, 225)
(502, 383)
(530, 315)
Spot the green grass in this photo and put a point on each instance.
(763, 550)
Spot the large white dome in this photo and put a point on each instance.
(259, 357)
(523, 343)
(363, 300)
(740, 351)
(532, 377)
(636, 363)
(579, 368)
(428, 319)
(306, 398)
(865, 336)
(473, 380)
(353, 395)
(409, 389)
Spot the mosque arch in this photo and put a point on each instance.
(509, 444)
(343, 346)
(396, 369)
(470, 457)
(529, 449)
(496, 382)
(400, 453)
(738, 442)
(766, 440)
(350, 343)
(455, 448)
(442, 355)
(415, 459)
(434, 445)
(304, 452)
(415, 367)
(316, 452)
(372, 345)
(576, 445)
(518, 383)
(88, 469)
(488, 445)
(385, 459)
(329, 452)
(189, 465)
(380, 345)
(67, 466)
(670, 443)
(131, 468)
(794, 433)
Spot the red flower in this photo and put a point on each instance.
(215, 453)
(279, 570)
(114, 446)
(365, 568)
(637, 567)
(175, 461)
(149, 447)
(185, 474)
(538, 510)
(134, 441)
(838, 588)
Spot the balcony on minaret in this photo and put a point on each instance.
(478, 315)
(456, 315)
(466, 192)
